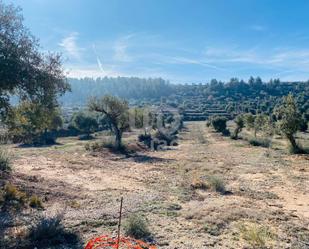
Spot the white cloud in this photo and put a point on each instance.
(120, 49)
(70, 46)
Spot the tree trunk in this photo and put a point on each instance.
(118, 137)
(293, 143)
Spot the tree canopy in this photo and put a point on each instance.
(24, 70)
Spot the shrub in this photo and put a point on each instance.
(263, 142)
(136, 227)
(165, 137)
(146, 139)
(50, 231)
(199, 184)
(5, 164)
(219, 123)
(217, 184)
(35, 202)
(85, 123)
(256, 236)
(13, 197)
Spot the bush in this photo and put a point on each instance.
(217, 184)
(165, 138)
(256, 236)
(146, 139)
(35, 202)
(219, 123)
(51, 232)
(11, 196)
(5, 163)
(85, 123)
(263, 142)
(136, 227)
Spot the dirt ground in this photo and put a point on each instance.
(266, 189)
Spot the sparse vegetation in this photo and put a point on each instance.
(217, 184)
(5, 162)
(13, 197)
(49, 231)
(256, 236)
(35, 202)
(137, 227)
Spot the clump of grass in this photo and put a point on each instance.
(12, 196)
(217, 184)
(50, 231)
(199, 184)
(5, 163)
(214, 229)
(74, 204)
(136, 227)
(263, 142)
(35, 202)
(256, 236)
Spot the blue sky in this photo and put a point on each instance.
(184, 41)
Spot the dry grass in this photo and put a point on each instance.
(175, 189)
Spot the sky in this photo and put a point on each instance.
(184, 41)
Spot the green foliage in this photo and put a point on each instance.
(288, 119)
(136, 227)
(84, 122)
(25, 70)
(32, 123)
(117, 113)
(249, 120)
(139, 117)
(240, 123)
(260, 123)
(5, 162)
(219, 123)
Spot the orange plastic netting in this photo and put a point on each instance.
(125, 243)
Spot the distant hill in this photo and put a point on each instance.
(129, 88)
(198, 101)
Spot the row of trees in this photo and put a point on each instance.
(285, 120)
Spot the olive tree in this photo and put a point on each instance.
(240, 123)
(24, 70)
(35, 77)
(117, 113)
(85, 123)
(288, 119)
